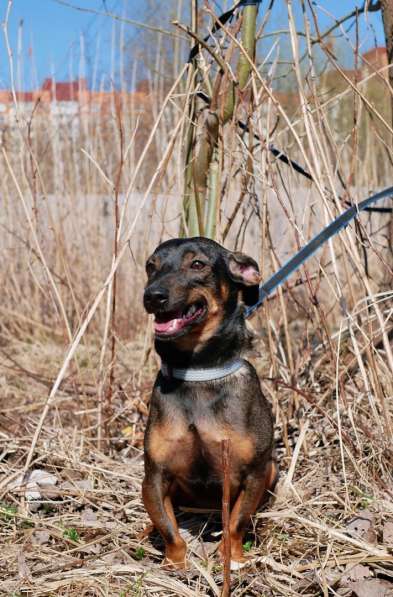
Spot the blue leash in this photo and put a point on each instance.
(312, 246)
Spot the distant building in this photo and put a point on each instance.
(70, 91)
(63, 101)
(376, 59)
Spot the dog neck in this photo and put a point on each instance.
(229, 341)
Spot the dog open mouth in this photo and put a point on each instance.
(174, 322)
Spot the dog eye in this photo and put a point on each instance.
(196, 264)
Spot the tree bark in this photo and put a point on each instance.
(387, 19)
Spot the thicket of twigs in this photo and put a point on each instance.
(81, 209)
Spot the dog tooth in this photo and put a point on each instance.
(190, 312)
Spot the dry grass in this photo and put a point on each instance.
(75, 407)
(87, 534)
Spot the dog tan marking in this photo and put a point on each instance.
(173, 446)
(224, 291)
(201, 333)
(188, 258)
(191, 256)
(169, 443)
(175, 555)
(245, 506)
(155, 261)
(175, 546)
(242, 447)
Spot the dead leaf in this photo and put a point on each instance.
(23, 569)
(40, 537)
(374, 587)
(111, 559)
(32, 482)
(388, 533)
(127, 431)
(94, 548)
(196, 545)
(362, 526)
(67, 485)
(43, 478)
(89, 517)
(354, 574)
(85, 484)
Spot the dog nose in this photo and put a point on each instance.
(155, 298)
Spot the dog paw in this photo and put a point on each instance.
(175, 555)
(170, 565)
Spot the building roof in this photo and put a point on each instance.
(64, 91)
(376, 57)
(77, 90)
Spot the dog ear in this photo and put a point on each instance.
(244, 270)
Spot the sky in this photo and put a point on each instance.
(58, 40)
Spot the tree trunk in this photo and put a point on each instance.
(387, 19)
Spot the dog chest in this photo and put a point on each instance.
(182, 446)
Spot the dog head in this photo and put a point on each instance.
(193, 284)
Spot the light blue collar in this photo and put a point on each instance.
(202, 374)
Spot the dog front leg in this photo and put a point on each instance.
(249, 499)
(158, 503)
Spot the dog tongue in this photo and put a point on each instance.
(169, 327)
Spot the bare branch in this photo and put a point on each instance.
(115, 17)
(367, 7)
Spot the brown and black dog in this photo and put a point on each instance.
(197, 291)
